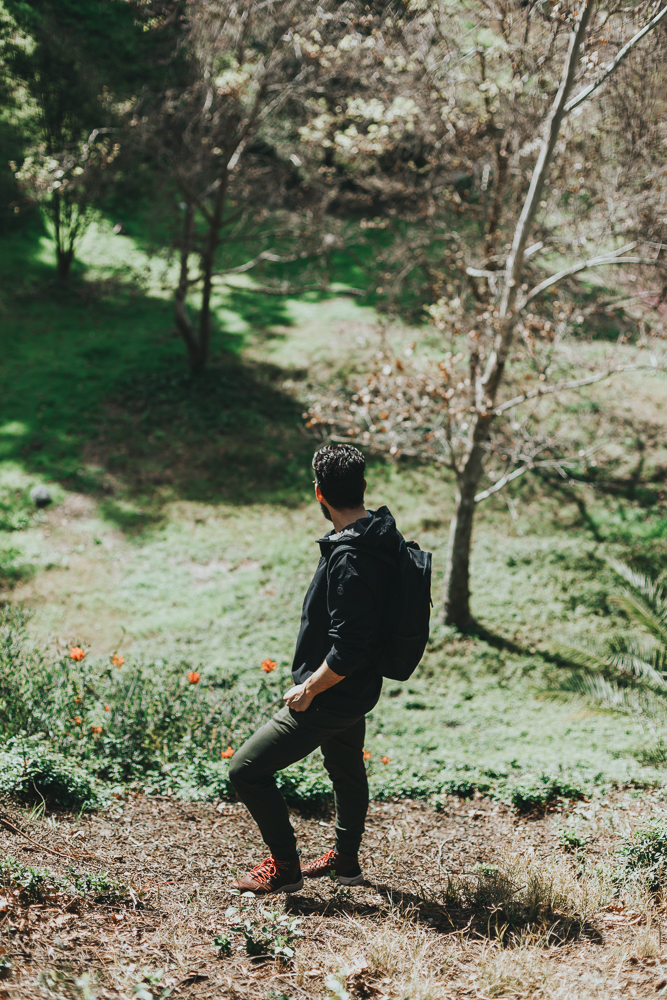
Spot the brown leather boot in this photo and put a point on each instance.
(342, 867)
(272, 875)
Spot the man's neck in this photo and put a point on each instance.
(341, 518)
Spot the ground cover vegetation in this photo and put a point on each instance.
(154, 915)
(340, 230)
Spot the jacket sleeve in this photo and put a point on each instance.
(352, 609)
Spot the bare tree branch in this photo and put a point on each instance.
(551, 463)
(516, 257)
(546, 390)
(265, 255)
(613, 258)
(503, 482)
(620, 56)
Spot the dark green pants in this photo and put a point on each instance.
(288, 737)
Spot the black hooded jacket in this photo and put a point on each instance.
(344, 612)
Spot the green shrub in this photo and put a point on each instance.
(31, 769)
(645, 853)
(143, 724)
(272, 935)
(13, 567)
(402, 783)
(40, 885)
(571, 839)
(543, 790)
(16, 508)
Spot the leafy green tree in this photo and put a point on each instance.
(64, 61)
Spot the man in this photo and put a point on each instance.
(336, 682)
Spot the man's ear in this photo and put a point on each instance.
(318, 494)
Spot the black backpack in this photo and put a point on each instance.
(406, 621)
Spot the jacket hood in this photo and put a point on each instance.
(377, 531)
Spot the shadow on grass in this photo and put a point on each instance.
(479, 631)
(483, 922)
(261, 311)
(97, 398)
(230, 434)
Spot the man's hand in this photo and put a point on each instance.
(298, 697)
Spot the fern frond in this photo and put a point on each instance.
(587, 655)
(637, 658)
(651, 617)
(651, 591)
(644, 600)
(642, 659)
(623, 656)
(627, 701)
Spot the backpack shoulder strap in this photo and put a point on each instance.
(367, 551)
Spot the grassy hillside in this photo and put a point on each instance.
(184, 532)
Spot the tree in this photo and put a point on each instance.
(68, 184)
(220, 133)
(506, 96)
(65, 62)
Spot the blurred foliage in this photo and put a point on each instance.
(628, 672)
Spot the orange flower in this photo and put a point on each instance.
(227, 753)
(77, 720)
(76, 653)
(107, 708)
(78, 700)
(367, 755)
(385, 759)
(117, 660)
(194, 676)
(96, 729)
(268, 666)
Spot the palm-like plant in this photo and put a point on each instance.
(628, 672)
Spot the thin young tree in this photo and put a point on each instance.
(512, 98)
(220, 136)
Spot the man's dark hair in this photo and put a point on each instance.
(339, 473)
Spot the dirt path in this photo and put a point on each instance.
(399, 936)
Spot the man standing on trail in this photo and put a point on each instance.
(336, 682)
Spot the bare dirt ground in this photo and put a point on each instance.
(394, 937)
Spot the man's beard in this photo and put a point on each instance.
(325, 511)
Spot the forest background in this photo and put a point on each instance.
(232, 232)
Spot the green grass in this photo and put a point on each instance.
(183, 535)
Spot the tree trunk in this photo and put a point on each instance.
(208, 266)
(181, 318)
(64, 247)
(456, 599)
(64, 260)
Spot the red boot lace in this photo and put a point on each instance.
(325, 860)
(265, 870)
